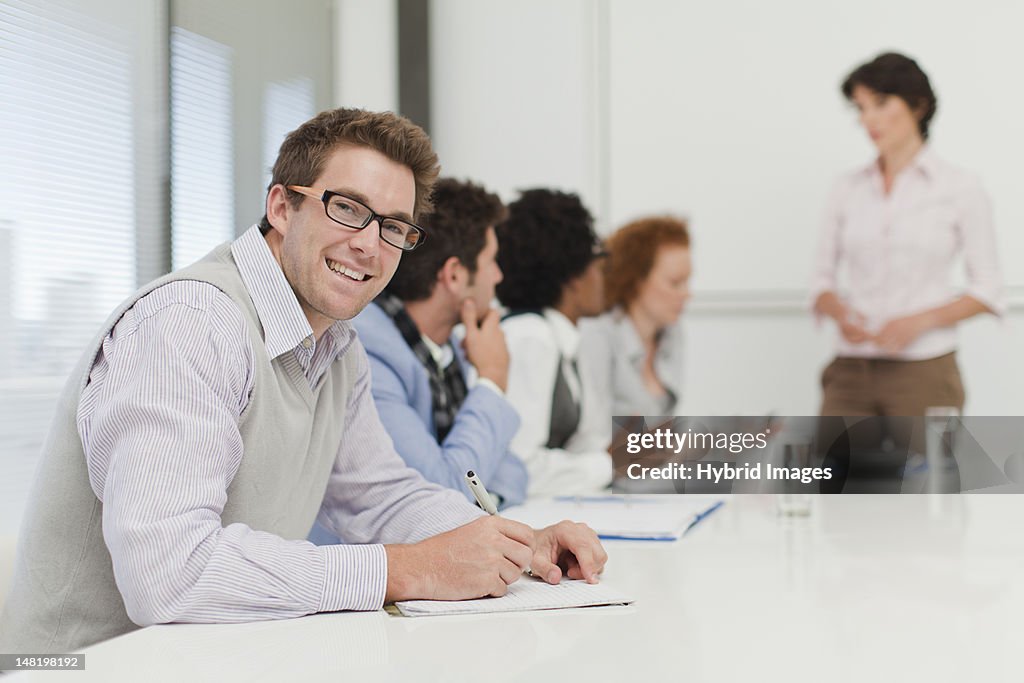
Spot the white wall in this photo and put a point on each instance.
(366, 54)
(514, 94)
(729, 113)
(750, 361)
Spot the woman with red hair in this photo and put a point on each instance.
(633, 352)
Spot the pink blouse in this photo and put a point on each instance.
(890, 256)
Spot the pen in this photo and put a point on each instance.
(700, 518)
(483, 498)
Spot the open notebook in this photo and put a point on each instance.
(525, 594)
(646, 518)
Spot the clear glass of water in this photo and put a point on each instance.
(792, 502)
(941, 424)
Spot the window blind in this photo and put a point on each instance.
(67, 206)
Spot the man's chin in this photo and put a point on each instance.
(350, 313)
(347, 311)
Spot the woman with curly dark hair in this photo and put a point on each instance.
(894, 228)
(633, 353)
(551, 261)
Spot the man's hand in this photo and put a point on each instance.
(568, 549)
(485, 344)
(473, 561)
(898, 333)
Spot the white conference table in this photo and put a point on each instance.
(873, 587)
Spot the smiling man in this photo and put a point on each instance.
(224, 407)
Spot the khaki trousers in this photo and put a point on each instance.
(891, 388)
(871, 386)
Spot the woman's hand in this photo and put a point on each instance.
(851, 326)
(851, 323)
(898, 333)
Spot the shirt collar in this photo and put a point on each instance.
(284, 324)
(442, 355)
(924, 162)
(567, 336)
(627, 340)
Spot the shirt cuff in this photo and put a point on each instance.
(355, 577)
(484, 382)
(993, 301)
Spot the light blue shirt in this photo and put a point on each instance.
(480, 436)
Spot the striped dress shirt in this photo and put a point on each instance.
(161, 461)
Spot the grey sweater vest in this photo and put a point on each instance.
(63, 596)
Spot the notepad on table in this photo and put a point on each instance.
(652, 518)
(523, 595)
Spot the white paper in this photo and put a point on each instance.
(525, 594)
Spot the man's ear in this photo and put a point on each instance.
(278, 208)
(453, 276)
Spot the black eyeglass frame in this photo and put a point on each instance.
(325, 197)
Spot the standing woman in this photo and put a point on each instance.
(633, 353)
(894, 229)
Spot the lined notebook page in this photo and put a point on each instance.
(525, 594)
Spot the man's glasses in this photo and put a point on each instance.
(354, 214)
